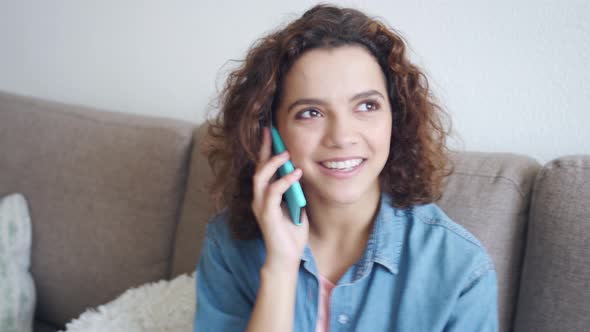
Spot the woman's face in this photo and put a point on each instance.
(335, 120)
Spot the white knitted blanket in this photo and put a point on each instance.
(164, 306)
(17, 289)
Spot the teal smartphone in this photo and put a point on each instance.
(294, 195)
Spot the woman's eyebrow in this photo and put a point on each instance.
(366, 94)
(314, 101)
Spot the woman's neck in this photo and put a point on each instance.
(338, 233)
(334, 222)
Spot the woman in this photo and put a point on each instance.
(373, 252)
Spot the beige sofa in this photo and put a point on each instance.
(118, 200)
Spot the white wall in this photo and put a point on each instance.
(513, 75)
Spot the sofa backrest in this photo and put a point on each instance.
(104, 190)
(555, 286)
(489, 194)
(114, 205)
(196, 210)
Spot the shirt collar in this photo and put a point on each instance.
(387, 236)
(385, 241)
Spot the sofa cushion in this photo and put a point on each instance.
(103, 190)
(489, 194)
(39, 326)
(555, 291)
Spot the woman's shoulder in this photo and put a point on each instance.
(436, 228)
(218, 228)
(228, 261)
(219, 232)
(433, 216)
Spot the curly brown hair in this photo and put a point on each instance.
(418, 159)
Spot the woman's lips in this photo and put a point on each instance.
(342, 174)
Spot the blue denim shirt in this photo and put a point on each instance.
(420, 272)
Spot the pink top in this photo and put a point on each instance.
(323, 322)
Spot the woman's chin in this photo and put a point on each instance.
(340, 197)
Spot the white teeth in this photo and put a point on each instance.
(343, 165)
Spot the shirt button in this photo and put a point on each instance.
(343, 319)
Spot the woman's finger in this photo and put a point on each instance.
(276, 190)
(266, 171)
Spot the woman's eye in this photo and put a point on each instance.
(369, 106)
(310, 113)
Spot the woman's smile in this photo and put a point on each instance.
(343, 168)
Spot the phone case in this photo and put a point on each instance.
(294, 195)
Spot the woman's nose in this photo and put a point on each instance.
(340, 133)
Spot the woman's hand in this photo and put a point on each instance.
(284, 241)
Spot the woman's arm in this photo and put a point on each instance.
(275, 305)
(284, 241)
(221, 302)
(477, 306)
